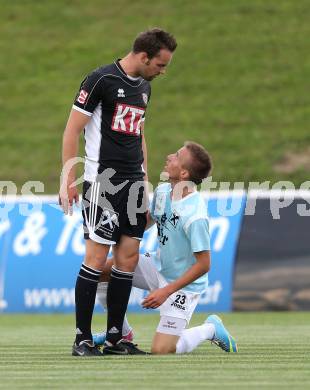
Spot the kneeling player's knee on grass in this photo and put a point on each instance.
(164, 343)
(163, 349)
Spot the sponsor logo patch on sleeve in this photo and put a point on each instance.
(82, 96)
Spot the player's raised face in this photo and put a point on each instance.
(176, 164)
(157, 65)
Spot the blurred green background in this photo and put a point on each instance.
(238, 82)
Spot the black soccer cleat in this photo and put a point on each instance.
(122, 347)
(85, 348)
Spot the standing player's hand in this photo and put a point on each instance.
(156, 298)
(68, 194)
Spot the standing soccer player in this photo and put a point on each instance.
(110, 107)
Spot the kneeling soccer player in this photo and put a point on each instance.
(183, 259)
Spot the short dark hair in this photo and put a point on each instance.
(152, 41)
(200, 165)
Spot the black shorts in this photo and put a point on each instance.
(110, 213)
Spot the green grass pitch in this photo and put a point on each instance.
(237, 82)
(274, 352)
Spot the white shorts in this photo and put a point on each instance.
(179, 305)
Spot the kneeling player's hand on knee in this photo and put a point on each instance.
(156, 298)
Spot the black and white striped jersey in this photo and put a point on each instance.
(116, 103)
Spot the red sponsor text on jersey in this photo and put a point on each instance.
(127, 119)
(82, 96)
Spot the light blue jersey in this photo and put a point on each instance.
(183, 229)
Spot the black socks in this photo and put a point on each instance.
(117, 300)
(85, 295)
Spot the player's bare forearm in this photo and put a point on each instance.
(146, 178)
(68, 191)
(201, 267)
(69, 152)
(144, 150)
(70, 145)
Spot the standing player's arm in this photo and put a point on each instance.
(146, 178)
(70, 146)
(144, 149)
(201, 267)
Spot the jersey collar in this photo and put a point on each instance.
(121, 70)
